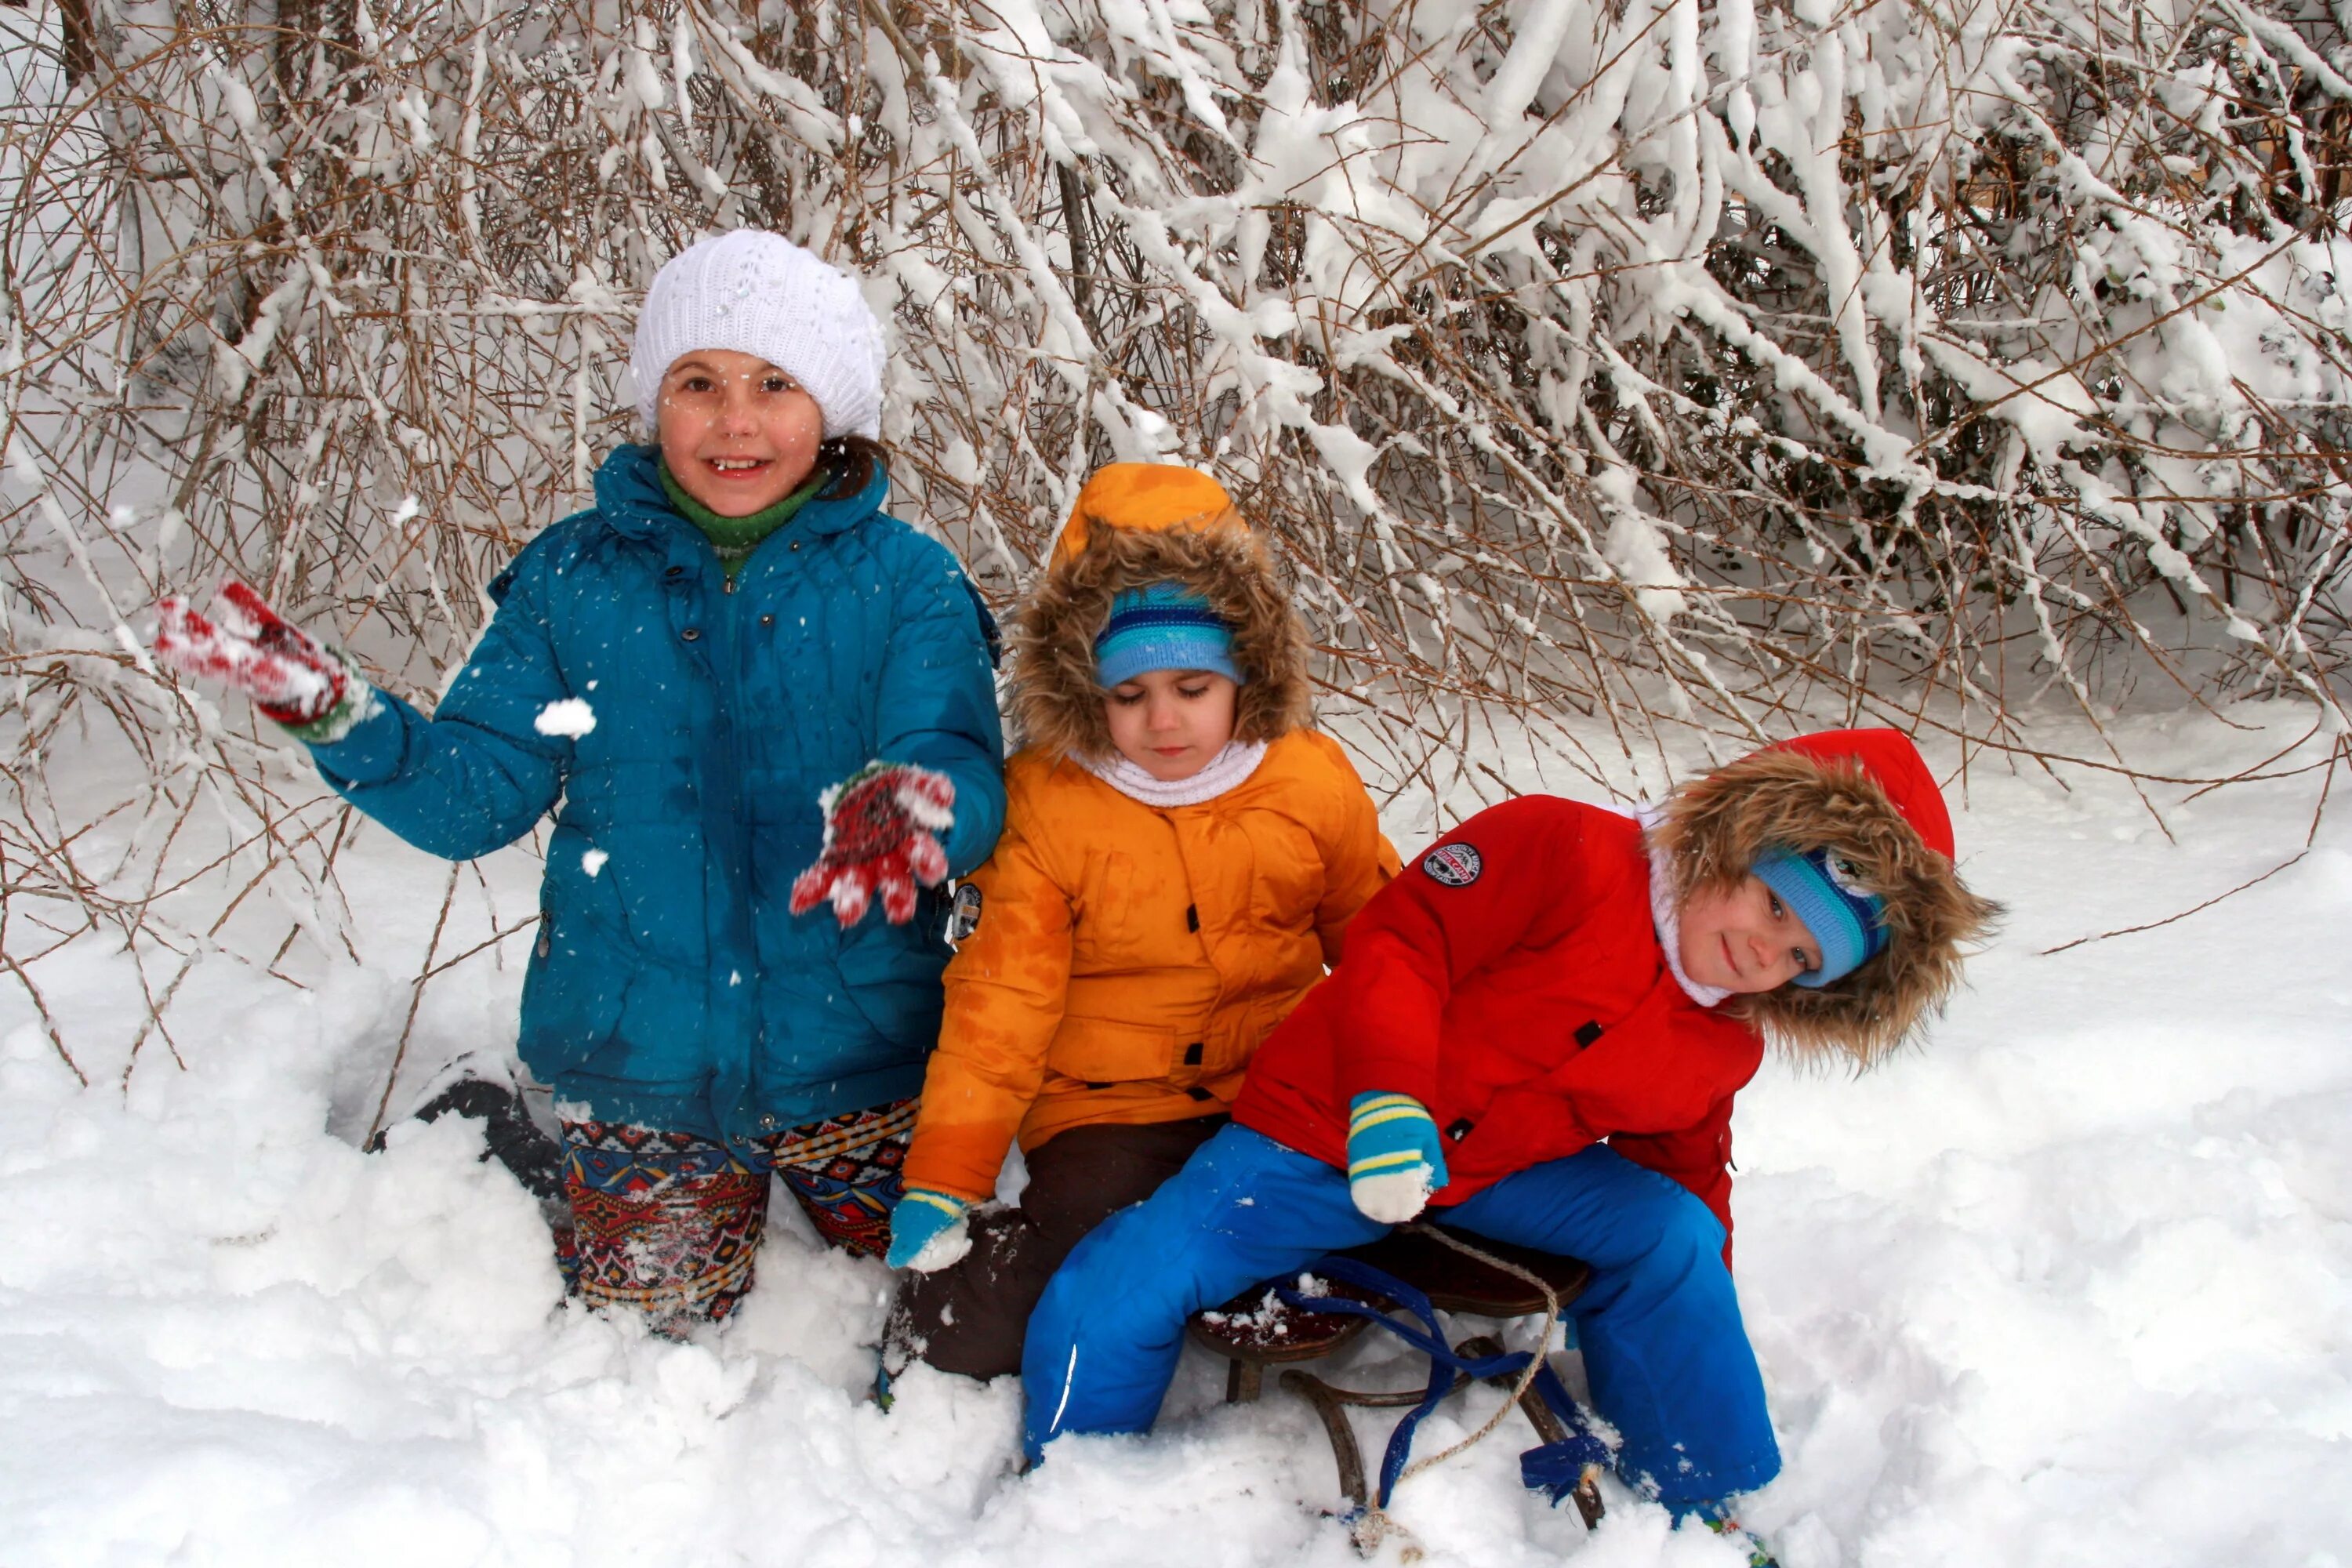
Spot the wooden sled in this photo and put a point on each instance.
(1259, 1329)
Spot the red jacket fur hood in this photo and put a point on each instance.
(1512, 980)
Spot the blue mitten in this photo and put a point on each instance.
(926, 1230)
(1395, 1159)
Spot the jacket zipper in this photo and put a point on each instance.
(726, 667)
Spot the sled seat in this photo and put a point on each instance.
(1258, 1329)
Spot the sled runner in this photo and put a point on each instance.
(1421, 1270)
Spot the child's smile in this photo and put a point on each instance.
(737, 434)
(1743, 939)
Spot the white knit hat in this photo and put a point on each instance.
(759, 293)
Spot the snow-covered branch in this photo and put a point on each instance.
(1693, 365)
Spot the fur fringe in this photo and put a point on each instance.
(1057, 706)
(1715, 826)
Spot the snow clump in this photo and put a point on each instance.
(571, 717)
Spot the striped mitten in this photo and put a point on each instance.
(928, 1231)
(1395, 1159)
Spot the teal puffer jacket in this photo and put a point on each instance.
(669, 986)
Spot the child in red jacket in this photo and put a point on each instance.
(1548, 977)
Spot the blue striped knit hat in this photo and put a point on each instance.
(1163, 626)
(1847, 919)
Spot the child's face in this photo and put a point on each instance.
(1171, 723)
(738, 434)
(1743, 939)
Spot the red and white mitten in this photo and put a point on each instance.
(290, 675)
(881, 834)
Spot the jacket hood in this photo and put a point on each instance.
(1867, 796)
(1136, 524)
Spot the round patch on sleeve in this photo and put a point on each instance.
(1455, 864)
(963, 915)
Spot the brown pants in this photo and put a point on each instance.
(972, 1316)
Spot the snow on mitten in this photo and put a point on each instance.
(291, 676)
(881, 834)
(1395, 1159)
(926, 1231)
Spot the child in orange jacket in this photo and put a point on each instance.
(1181, 857)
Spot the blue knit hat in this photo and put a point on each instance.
(1848, 920)
(1162, 627)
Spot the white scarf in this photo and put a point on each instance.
(1663, 911)
(1228, 768)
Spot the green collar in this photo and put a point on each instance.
(730, 535)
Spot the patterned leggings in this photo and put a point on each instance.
(669, 1222)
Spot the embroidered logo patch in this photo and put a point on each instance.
(1455, 864)
(963, 915)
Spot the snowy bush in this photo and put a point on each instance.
(1700, 366)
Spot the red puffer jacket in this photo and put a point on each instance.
(1512, 981)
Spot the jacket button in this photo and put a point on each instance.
(768, 620)
(691, 633)
(796, 544)
(767, 1124)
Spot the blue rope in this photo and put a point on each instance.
(1556, 1468)
(1540, 1468)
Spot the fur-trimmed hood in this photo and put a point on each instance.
(1136, 524)
(1867, 796)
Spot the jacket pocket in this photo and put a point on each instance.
(1287, 882)
(1101, 1051)
(890, 975)
(582, 964)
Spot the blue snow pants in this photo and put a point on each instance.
(1664, 1346)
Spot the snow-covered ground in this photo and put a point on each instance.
(2072, 1286)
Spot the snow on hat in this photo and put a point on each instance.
(1825, 892)
(759, 293)
(1163, 626)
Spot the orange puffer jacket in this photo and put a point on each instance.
(1129, 959)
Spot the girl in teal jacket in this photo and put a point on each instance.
(735, 632)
